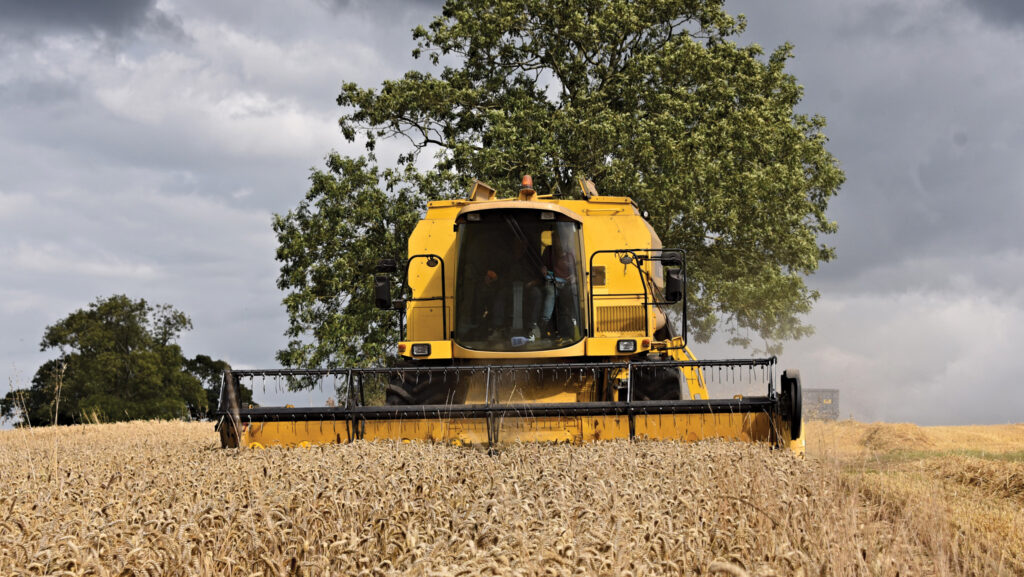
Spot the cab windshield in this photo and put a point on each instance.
(517, 284)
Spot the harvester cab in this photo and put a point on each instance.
(532, 318)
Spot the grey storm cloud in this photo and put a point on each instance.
(382, 6)
(114, 18)
(918, 100)
(999, 12)
(144, 148)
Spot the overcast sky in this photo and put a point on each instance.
(144, 147)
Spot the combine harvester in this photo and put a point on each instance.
(530, 319)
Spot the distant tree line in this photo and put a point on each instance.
(118, 359)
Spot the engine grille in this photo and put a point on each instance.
(620, 319)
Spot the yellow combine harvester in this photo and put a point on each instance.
(531, 319)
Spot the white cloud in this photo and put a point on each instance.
(13, 302)
(61, 259)
(928, 357)
(150, 91)
(14, 205)
(200, 105)
(293, 65)
(225, 92)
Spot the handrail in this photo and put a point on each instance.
(650, 255)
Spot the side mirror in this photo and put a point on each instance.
(382, 292)
(673, 285)
(672, 258)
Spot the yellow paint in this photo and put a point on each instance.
(607, 347)
(747, 427)
(438, 349)
(729, 426)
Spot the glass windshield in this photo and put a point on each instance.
(517, 285)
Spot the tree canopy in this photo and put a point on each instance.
(117, 360)
(652, 99)
(210, 373)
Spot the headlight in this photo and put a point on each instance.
(623, 346)
(421, 350)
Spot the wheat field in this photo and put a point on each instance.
(159, 498)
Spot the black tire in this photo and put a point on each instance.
(419, 387)
(656, 384)
(791, 397)
(228, 435)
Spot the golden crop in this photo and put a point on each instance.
(160, 499)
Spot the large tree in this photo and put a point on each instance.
(118, 359)
(650, 99)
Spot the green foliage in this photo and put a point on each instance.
(35, 405)
(329, 246)
(210, 373)
(118, 360)
(651, 99)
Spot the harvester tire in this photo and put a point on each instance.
(418, 388)
(228, 433)
(656, 384)
(791, 398)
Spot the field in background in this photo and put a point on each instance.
(851, 439)
(160, 498)
(959, 491)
